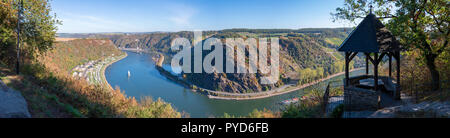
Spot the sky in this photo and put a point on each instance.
(94, 16)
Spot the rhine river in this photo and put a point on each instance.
(145, 80)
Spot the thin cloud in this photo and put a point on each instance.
(87, 24)
(181, 14)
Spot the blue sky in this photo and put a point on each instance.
(90, 16)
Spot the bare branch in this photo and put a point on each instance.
(438, 24)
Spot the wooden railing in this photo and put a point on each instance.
(325, 99)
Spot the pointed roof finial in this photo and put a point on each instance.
(371, 8)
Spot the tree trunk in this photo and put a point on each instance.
(430, 60)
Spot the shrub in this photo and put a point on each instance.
(151, 109)
(263, 114)
(301, 110)
(338, 111)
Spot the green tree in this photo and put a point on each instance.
(320, 72)
(38, 28)
(419, 24)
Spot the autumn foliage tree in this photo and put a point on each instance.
(38, 28)
(418, 24)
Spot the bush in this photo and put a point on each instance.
(302, 110)
(338, 111)
(262, 114)
(151, 109)
(255, 114)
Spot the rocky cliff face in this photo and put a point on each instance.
(230, 82)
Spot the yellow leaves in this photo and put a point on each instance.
(264, 114)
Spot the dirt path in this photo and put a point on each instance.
(12, 103)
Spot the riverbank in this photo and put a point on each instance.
(260, 95)
(103, 78)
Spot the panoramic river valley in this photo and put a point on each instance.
(145, 80)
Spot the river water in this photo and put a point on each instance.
(145, 80)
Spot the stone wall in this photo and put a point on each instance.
(357, 99)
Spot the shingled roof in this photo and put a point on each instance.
(371, 36)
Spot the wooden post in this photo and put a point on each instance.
(390, 66)
(398, 67)
(375, 77)
(347, 62)
(397, 94)
(367, 64)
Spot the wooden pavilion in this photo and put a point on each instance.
(373, 39)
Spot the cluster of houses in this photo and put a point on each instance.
(92, 71)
